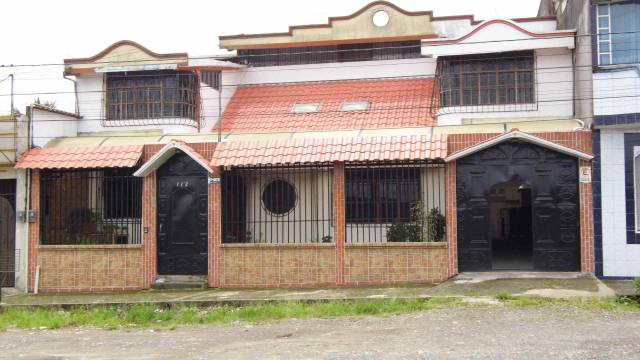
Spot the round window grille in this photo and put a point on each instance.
(279, 197)
(380, 18)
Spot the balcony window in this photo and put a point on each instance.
(144, 95)
(492, 79)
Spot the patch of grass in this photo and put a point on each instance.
(636, 283)
(153, 316)
(503, 296)
(606, 304)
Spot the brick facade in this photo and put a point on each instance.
(277, 265)
(34, 228)
(215, 232)
(451, 217)
(149, 249)
(395, 263)
(68, 268)
(339, 218)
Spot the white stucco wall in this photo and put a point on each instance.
(46, 126)
(619, 258)
(338, 71)
(617, 92)
(554, 94)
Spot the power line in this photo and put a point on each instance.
(227, 57)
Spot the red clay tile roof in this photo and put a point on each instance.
(247, 153)
(81, 157)
(267, 108)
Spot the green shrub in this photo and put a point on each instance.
(404, 233)
(636, 282)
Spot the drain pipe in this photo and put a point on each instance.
(75, 92)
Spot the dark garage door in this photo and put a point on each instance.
(553, 179)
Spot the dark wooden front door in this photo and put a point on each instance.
(7, 232)
(553, 179)
(182, 217)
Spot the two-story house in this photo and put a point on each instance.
(382, 147)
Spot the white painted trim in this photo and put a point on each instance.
(165, 154)
(520, 136)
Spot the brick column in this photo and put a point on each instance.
(587, 263)
(215, 229)
(451, 204)
(34, 228)
(339, 219)
(149, 240)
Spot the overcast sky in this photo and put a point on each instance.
(46, 31)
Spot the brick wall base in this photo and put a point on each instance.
(277, 265)
(92, 268)
(397, 263)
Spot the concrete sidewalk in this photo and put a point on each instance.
(485, 284)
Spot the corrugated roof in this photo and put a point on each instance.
(81, 157)
(295, 151)
(267, 108)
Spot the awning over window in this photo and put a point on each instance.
(300, 151)
(81, 157)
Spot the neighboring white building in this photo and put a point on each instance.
(616, 99)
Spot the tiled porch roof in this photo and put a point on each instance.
(81, 157)
(299, 151)
(268, 108)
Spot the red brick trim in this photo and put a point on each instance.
(586, 224)
(452, 217)
(34, 228)
(215, 233)
(149, 239)
(339, 218)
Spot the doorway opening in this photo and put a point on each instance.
(510, 226)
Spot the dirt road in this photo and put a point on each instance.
(493, 332)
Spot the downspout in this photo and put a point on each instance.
(75, 92)
(219, 106)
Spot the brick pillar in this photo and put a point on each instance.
(149, 240)
(34, 228)
(339, 219)
(452, 217)
(586, 224)
(215, 229)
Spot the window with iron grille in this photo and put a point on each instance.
(277, 204)
(330, 54)
(379, 195)
(93, 206)
(151, 95)
(491, 79)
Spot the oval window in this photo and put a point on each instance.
(279, 197)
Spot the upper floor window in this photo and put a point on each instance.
(618, 32)
(491, 79)
(145, 95)
(330, 54)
